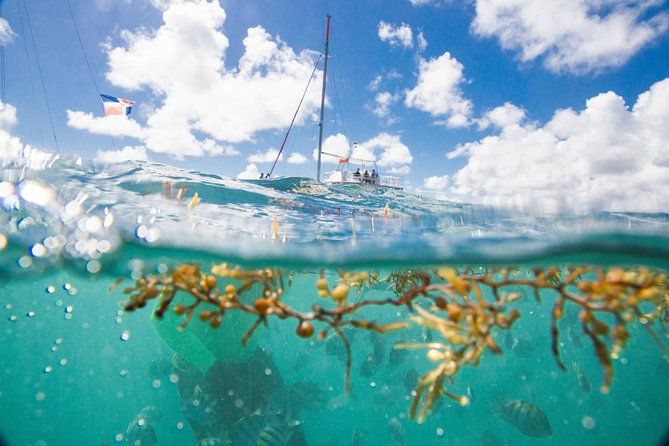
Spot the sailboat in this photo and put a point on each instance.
(349, 170)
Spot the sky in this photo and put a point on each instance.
(548, 104)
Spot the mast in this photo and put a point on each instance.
(320, 123)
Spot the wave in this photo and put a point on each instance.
(296, 220)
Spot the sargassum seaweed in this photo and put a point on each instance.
(466, 307)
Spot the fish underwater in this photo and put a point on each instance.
(214, 441)
(411, 379)
(581, 376)
(396, 432)
(141, 430)
(267, 429)
(523, 347)
(373, 362)
(298, 397)
(489, 438)
(527, 417)
(397, 357)
(200, 407)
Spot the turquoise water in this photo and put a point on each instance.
(76, 369)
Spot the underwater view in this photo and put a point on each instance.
(144, 304)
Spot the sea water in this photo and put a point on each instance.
(77, 369)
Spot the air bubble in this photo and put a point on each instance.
(48, 369)
(39, 396)
(25, 262)
(125, 335)
(30, 314)
(118, 437)
(588, 422)
(69, 309)
(50, 289)
(440, 432)
(156, 383)
(38, 250)
(174, 378)
(93, 267)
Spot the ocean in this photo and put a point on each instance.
(90, 252)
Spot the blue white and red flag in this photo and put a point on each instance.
(116, 106)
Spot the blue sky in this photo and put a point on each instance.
(557, 75)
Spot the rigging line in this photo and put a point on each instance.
(346, 114)
(30, 75)
(81, 45)
(338, 101)
(88, 65)
(283, 144)
(41, 75)
(2, 62)
(336, 73)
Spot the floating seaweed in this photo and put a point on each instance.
(465, 308)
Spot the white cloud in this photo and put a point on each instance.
(267, 157)
(127, 153)
(386, 149)
(436, 183)
(421, 41)
(400, 35)
(571, 35)
(6, 33)
(203, 105)
(393, 151)
(297, 158)
(12, 150)
(375, 83)
(426, 2)
(502, 116)
(115, 125)
(605, 157)
(438, 91)
(7, 116)
(401, 170)
(384, 100)
(335, 147)
(250, 173)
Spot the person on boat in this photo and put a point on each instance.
(262, 175)
(375, 176)
(357, 175)
(365, 177)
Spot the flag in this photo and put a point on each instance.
(343, 160)
(116, 106)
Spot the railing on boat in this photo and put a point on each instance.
(343, 177)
